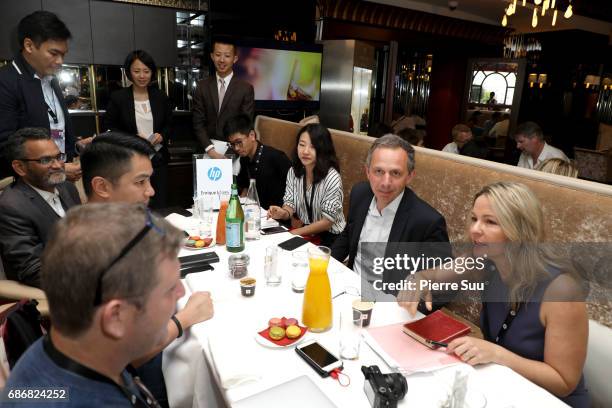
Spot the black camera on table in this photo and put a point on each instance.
(383, 390)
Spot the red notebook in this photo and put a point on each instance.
(437, 327)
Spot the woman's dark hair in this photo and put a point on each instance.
(144, 57)
(321, 140)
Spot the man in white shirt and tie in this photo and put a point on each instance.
(220, 97)
(530, 141)
(31, 206)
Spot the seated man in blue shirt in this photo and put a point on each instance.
(111, 275)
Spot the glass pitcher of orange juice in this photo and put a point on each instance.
(317, 308)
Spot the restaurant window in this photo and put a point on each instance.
(493, 84)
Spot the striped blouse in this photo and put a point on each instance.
(327, 200)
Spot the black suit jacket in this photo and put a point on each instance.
(121, 116)
(208, 120)
(415, 221)
(26, 221)
(22, 104)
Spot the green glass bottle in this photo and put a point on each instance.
(234, 223)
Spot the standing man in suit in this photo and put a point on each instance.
(220, 97)
(30, 95)
(384, 210)
(31, 206)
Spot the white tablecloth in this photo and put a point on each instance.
(190, 368)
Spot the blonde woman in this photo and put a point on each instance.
(559, 166)
(531, 317)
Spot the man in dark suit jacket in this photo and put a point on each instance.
(30, 95)
(236, 95)
(386, 212)
(31, 206)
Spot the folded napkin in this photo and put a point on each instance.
(179, 221)
(234, 358)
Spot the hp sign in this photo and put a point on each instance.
(214, 173)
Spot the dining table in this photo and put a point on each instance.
(224, 360)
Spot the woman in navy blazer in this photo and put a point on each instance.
(144, 110)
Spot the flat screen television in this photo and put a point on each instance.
(283, 78)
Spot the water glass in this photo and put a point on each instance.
(271, 270)
(350, 335)
(299, 270)
(203, 213)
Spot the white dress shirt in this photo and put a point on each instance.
(54, 103)
(144, 118)
(53, 199)
(226, 80)
(376, 228)
(451, 148)
(548, 152)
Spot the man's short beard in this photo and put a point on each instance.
(56, 178)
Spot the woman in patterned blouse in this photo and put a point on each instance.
(313, 196)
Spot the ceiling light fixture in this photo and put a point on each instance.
(568, 12)
(545, 5)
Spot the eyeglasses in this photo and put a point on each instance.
(236, 144)
(47, 160)
(127, 248)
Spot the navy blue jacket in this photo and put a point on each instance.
(22, 104)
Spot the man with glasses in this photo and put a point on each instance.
(267, 165)
(31, 206)
(123, 293)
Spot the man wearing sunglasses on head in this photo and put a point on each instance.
(117, 169)
(30, 207)
(119, 265)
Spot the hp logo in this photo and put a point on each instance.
(214, 173)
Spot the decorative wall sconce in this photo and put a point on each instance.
(538, 80)
(592, 81)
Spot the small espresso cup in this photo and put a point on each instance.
(362, 311)
(247, 286)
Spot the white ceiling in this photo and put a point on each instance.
(491, 12)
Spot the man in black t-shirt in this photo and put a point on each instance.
(267, 165)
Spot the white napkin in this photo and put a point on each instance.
(236, 360)
(267, 222)
(179, 221)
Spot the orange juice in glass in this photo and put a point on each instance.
(317, 308)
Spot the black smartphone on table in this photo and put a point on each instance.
(292, 243)
(274, 230)
(317, 356)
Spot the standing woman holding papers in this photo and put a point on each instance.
(143, 109)
(313, 194)
(533, 316)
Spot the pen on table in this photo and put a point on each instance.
(437, 343)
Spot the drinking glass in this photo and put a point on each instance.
(350, 334)
(271, 270)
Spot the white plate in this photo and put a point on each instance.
(212, 244)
